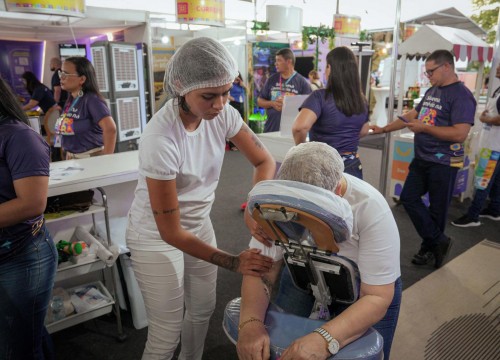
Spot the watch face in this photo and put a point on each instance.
(333, 347)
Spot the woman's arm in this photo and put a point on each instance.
(108, 127)
(265, 167)
(165, 208)
(351, 324)
(30, 201)
(253, 339)
(303, 123)
(30, 105)
(364, 129)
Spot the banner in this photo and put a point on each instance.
(346, 25)
(48, 7)
(201, 12)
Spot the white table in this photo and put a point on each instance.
(379, 115)
(98, 171)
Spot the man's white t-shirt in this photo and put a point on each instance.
(194, 159)
(374, 245)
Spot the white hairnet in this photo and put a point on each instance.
(200, 63)
(313, 163)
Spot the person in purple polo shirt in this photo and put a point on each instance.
(441, 123)
(337, 115)
(86, 127)
(286, 81)
(28, 256)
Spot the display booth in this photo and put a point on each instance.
(465, 46)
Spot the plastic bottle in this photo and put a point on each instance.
(57, 307)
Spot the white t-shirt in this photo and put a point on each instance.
(374, 244)
(194, 159)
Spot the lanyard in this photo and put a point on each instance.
(287, 80)
(75, 101)
(65, 112)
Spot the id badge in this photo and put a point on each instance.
(58, 141)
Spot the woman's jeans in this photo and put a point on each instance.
(26, 281)
(299, 302)
(352, 166)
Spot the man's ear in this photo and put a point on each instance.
(338, 189)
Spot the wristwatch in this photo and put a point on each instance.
(332, 344)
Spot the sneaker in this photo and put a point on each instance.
(423, 257)
(465, 221)
(441, 251)
(486, 213)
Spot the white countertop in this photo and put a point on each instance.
(83, 174)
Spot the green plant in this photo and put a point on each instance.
(313, 35)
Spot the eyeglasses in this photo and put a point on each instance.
(429, 73)
(64, 75)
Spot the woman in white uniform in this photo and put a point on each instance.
(170, 236)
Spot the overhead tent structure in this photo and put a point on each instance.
(449, 17)
(462, 43)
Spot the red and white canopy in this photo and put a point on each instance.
(464, 44)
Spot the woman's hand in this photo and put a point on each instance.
(310, 347)
(251, 262)
(253, 342)
(376, 129)
(256, 230)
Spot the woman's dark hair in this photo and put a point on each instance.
(31, 81)
(10, 107)
(84, 68)
(344, 83)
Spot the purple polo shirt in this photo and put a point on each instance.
(444, 106)
(80, 127)
(332, 126)
(23, 153)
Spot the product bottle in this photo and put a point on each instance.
(57, 306)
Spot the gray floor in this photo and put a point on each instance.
(96, 339)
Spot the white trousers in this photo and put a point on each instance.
(179, 296)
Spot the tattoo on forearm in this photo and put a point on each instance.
(255, 139)
(268, 286)
(165, 211)
(226, 261)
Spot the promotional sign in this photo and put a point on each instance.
(49, 7)
(346, 25)
(201, 12)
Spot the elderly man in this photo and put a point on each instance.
(286, 81)
(374, 247)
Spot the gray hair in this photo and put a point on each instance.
(313, 163)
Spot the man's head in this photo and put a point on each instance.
(313, 163)
(55, 64)
(285, 61)
(440, 68)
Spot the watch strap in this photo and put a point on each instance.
(332, 344)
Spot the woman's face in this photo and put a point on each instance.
(207, 103)
(70, 79)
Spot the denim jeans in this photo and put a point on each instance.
(353, 167)
(493, 190)
(299, 302)
(26, 281)
(438, 180)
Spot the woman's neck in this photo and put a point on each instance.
(190, 121)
